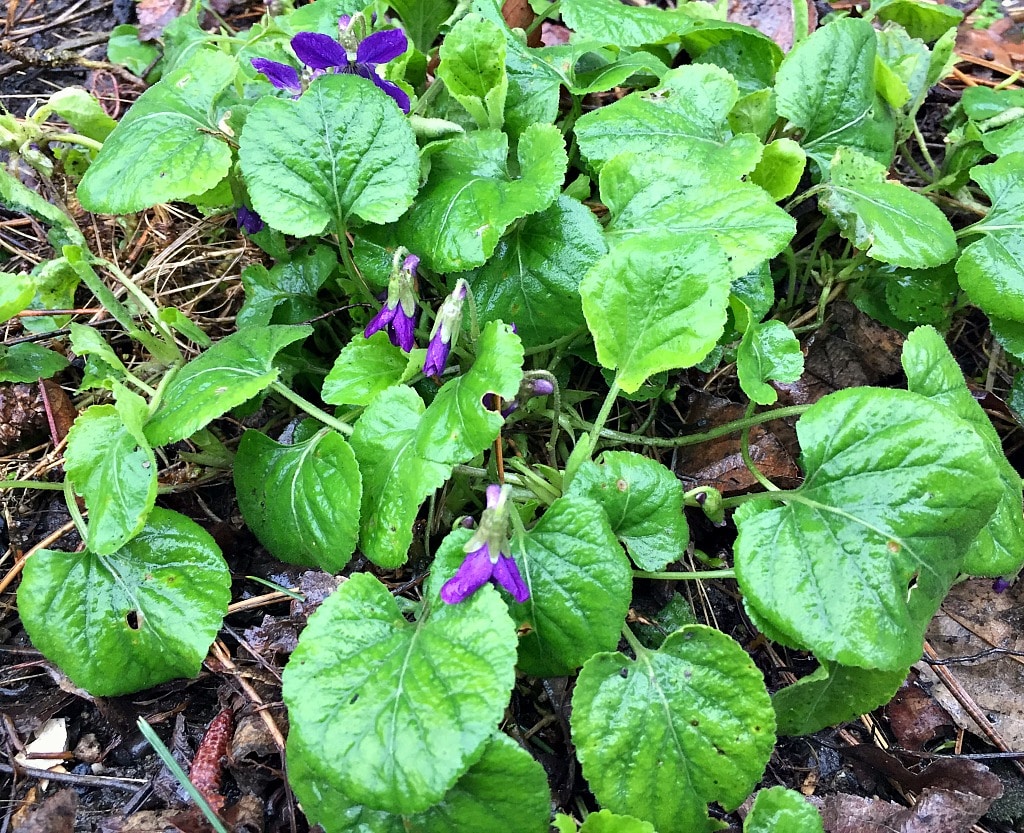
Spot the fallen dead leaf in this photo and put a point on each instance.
(773, 18)
(55, 815)
(972, 621)
(51, 739)
(154, 15)
(915, 717)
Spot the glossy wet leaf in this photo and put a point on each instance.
(506, 791)
(826, 87)
(534, 276)
(286, 293)
(405, 452)
(300, 500)
(933, 372)
(608, 21)
(644, 504)
(471, 198)
(673, 197)
(854, 563)
(130, 620)
(28, 362)
(422, 19)
(685, 286)
(341, 154)
(391, 713)
(110, 464)
(167, 146)
(605, 821)
(662, 735)
(833, 694)
(234, 370)
(580, 584)
(16, 292)
(991, 270)
(81, 110)
(777, 809)
(686, 114)
(768, 352)
(927, 21)
(888, 220)
(473, 69)
(14, 196)
(780, 169)
(366, 367)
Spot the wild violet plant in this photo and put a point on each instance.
(646, 236)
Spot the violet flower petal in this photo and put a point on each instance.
(380, 320)
(319, 51)
(282, 76)
(397, 93)
(474, 572)
(493, 493)
(437, 357)
(506, 573)
(248, 220)
(381, 47)
(404, 326)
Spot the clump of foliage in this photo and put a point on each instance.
(488, 238)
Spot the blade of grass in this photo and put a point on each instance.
(165, 755)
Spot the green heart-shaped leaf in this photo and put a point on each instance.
(123, 622)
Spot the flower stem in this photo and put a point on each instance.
(544, 15)
(42, 485)
(72, 501)
(584, 449)
(704, 574)
(695, 439)
(308, 407)
(748, 461)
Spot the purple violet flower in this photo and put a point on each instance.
(248, 220)
(446, 331)
(487, 558)
(282, 76)
(1001, 585)
(356, 56)
(398, 315)
(530, 387)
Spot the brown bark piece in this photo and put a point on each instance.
(915, 717)
(55, 815)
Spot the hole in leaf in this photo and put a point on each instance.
(134, 619)
(354, 698)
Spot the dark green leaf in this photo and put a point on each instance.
(534, 276)
(470, 198)
(123, 622)
(661, 736)
(390, 713)
(826, 87)
(168, 145)
(933, 372)
(644, 503)
(28, 362)
(287, 293)
(855, 562)
(406, 452)
(301, 500)
(768, 352)
(340, 154)
(422, 19)
(234, 370)
(833, 694)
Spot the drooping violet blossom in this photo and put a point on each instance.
(282, 76)
(487, 558)
(398, 315)
(1001, 585)
(248, 220)
(531, 386)
(355, 55)
(446, 331)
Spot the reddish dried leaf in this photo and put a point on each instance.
(982, 44)
(719, 463)
(154, 15)
(55, 815)
(62, 411)
(519, 15)
(915, 718)
(205, 773)
(773, 18)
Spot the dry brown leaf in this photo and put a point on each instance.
(55, 815)
(154, 15)
(972, 621)
(773, 18)
(915, 717)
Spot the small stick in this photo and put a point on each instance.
(15, 571)
(126, 784)
(220, 653)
